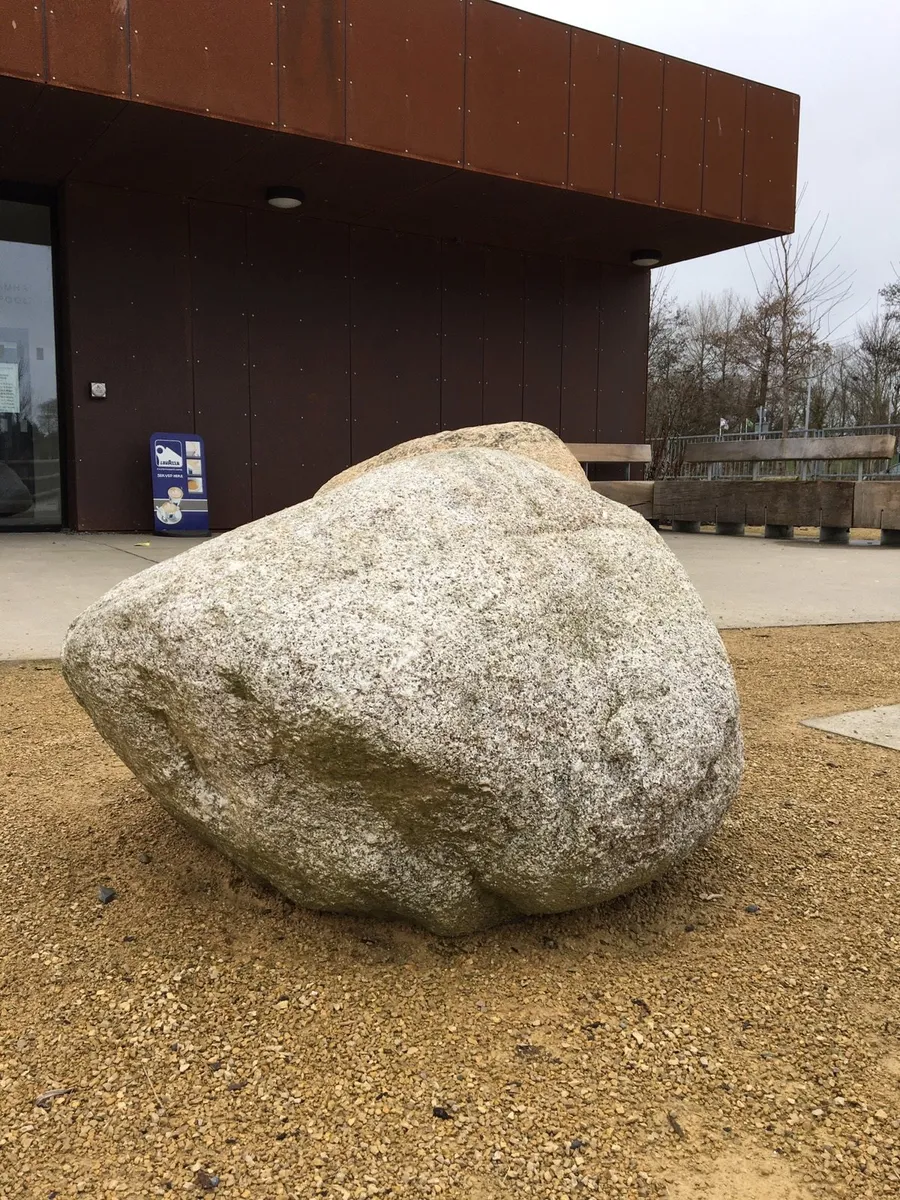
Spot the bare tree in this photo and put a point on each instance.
(798, 289)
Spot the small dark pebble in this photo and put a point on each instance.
(528, 1051)
(231, 1141)
(129, 937)
(144, 857)
(550, 943)
(206, 1181)
(642, 1005)
(689, 928)
(440, 1113)
(236, 1087)
(677, 1127)
(106, 894)
(745, 1024)
(215, 1066)
(576, 1144)
(752, 908)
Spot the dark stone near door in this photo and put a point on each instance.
(15, 497)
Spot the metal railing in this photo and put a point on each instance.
(668, 458)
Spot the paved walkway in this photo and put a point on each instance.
(47, 579)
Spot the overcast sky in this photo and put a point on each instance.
(843, 57)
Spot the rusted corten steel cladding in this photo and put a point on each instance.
(476, 179)
(465, 83)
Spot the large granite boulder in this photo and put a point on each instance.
(458, 688)
(15, 497)
(518, 437)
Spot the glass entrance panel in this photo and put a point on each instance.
(30, 482)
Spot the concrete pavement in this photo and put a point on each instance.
(47, 579)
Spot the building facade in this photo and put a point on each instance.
(476, 183)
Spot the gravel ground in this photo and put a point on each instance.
(732, 1033)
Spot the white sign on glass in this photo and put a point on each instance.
(9, 388)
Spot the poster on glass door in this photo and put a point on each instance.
(178, 474)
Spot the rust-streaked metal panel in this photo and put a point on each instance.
(593, 113)
(639, 138)
(684, 111)
(127, 296)
(299, 302)
(312, 69)
(220, 355)
(580, 351)
(462, 334)
(770, 157)
(22, 39)
(723, 167)
(504, 334)
(543, 340)
(405, 76)
(622, 389)
(517, 94)
(220, 60)
(395, 339)
(87, 45)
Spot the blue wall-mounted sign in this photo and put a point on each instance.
(178, 474)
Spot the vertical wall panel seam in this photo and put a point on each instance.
(702, 208)
(45, 41)
(129, 86)
(465, 110)
(662, 120)
(744, 154)
(190, 248)
(569, 110)
(346, 43)
(278, 121)
(615, 187)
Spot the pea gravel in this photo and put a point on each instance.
(732, 1032)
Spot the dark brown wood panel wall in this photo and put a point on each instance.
(462, 334)
(296, 346)
(220, 347)
(395, 339)
(299, 303)
(127, 300)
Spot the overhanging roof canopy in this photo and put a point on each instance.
(451, 117)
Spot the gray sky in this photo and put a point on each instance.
(842, 58)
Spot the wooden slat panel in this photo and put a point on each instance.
(22, 39)
(876, 505)
(504, 328)
(87, 46)
(219, 60)
(517, 94)
(312, 70)
(723, 156)
(830, 449)
(395, 339)
(299, 356)
(639, 124)
(779, 502)
(592, 115)
(581, 331)
(608, 452)
(770, 157)
(405, 73)
(543, 340)
(633, 492)
(462, 335)
(684, 108)
(219, 341)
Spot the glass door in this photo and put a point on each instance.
(30, 475)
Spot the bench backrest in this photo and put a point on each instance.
(865, 445)
(609, 452)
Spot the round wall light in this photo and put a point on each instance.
(284, 197)
(646, 258)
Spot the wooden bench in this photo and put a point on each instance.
(780, 504)
(636, 493)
